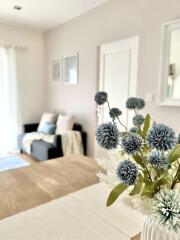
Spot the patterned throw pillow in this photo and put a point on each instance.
(47, 118)
(47, 128)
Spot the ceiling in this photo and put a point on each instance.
(44, 14)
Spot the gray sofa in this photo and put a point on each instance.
(42, 150)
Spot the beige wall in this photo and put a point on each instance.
(112, 21)
(30, 69)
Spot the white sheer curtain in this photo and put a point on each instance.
(9, 119)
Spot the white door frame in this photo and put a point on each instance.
(131, 44)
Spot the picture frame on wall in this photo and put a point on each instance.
(56, 71)
(70, 69)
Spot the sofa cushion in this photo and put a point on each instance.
(64, 124)
(47, 128)
(47, 118)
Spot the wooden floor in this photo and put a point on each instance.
(41, 182)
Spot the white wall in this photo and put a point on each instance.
(114, 20)
(30, 69)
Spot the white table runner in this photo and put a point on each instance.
(78, 216)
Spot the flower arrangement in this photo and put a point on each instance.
(147, 165)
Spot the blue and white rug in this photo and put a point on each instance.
(12, 162)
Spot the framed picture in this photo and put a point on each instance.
(70, 69)
(56, 71)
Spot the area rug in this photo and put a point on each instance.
(12, 162)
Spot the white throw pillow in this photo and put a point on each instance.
(47, 118)
(64, 124)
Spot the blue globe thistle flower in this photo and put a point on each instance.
(133, 130)
(141, 103)
(107, 136)
(158, 159)
(127, 172)
(166, 209)
(161, 137)
(138, 120)
(131, 143)
(135, 103)
(101, 97)
(132, 103)
(115, 112)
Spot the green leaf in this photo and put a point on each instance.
(174, 154)
(137, 187)
(115, 193)
(138, 159)
(147, 122)
(178, 176)
(162, 181)
(151, 188)
(148, 190)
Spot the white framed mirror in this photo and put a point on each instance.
(169, 91)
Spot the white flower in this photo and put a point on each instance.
(110, 166)
(166, 209)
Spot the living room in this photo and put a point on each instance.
(73, 74)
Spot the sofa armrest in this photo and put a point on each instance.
(42, 144)
(57, 141)
(42, 150)
(32, 127)
(84, 142)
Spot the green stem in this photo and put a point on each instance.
(108, 105)
(175, 178)
(110, 109)
(145, 165)
(121, 123)
(158, 168)
(138, 126)
(135, 112)
(117, 118)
